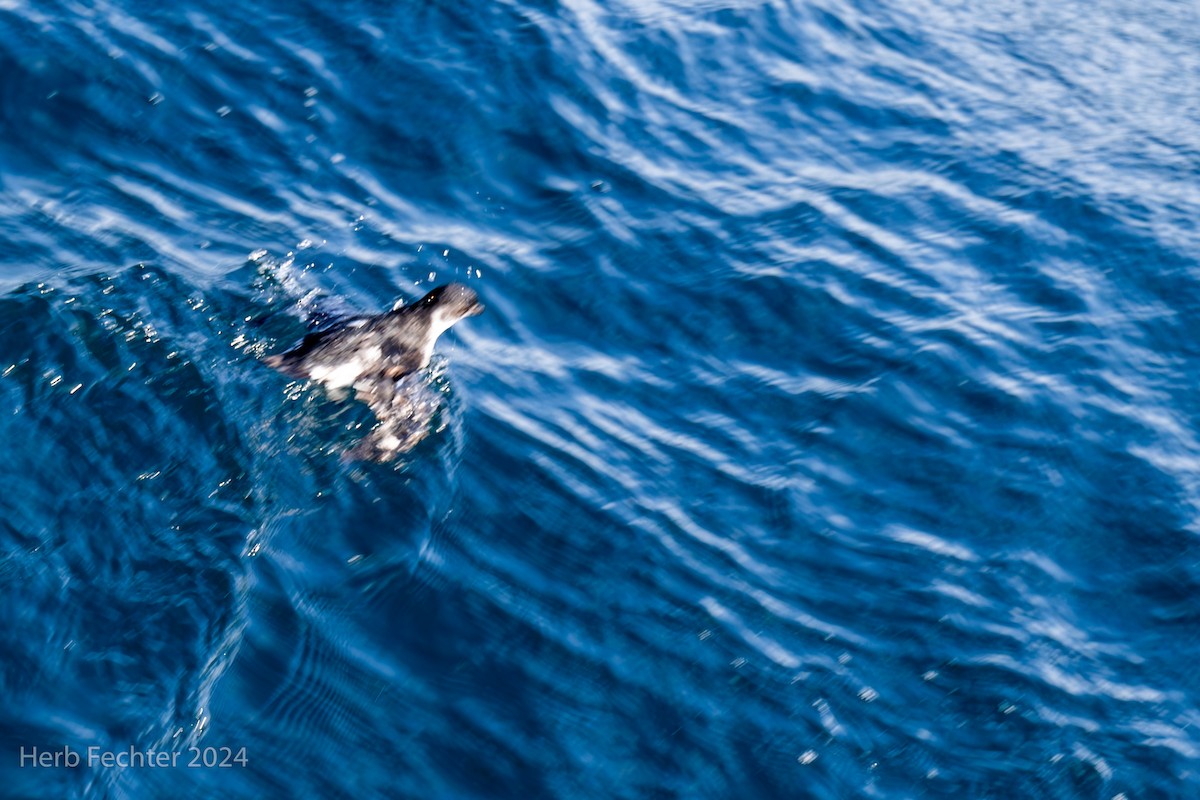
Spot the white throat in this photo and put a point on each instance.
(439, 323)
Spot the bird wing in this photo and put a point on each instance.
(380, 391)
(403, 407)
(292, 362)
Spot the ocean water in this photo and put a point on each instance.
(830, 431)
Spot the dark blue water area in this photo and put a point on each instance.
(831, 431)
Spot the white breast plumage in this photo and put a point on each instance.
(343, 375)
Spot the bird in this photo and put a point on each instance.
(380, 357)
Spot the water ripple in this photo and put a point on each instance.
(829, 432)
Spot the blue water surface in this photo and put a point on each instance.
(830, 433)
